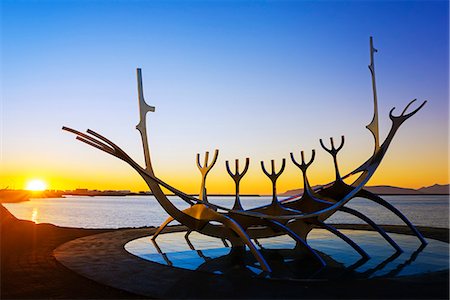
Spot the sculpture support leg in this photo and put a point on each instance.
(373, 225)
(368, 195)
(299, 240)
(161, 227)
(345, 238)
(236, 228)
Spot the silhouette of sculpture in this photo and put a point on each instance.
(295, 217)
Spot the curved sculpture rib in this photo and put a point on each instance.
(373, 225)
(345, 239)
(377, 199)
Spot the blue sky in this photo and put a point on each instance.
(253, 78)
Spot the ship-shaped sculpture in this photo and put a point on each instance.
(295, 216)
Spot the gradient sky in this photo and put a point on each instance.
(252, 78)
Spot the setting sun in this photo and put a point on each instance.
(36, 185)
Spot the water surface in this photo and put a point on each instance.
(139, 211)
(209, 254)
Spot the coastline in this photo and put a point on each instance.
(30, 196)
(14, 196)
(29, 269)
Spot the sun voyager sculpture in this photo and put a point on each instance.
(295, 216)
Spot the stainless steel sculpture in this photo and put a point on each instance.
(295, 217)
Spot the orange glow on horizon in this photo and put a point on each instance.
(220, 182)
(107, 174)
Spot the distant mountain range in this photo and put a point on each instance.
(436, 189)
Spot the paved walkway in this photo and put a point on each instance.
(102, 258)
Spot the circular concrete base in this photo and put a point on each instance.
(103, 259)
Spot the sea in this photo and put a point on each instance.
(140, 211)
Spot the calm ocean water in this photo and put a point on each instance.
(138, 211)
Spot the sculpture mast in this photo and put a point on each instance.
(144, 108)
(373, 126)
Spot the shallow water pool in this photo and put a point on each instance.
(209, 254)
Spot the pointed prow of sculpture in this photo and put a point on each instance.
(373, 125)
(144, 108)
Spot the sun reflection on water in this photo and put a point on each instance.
(34, 215)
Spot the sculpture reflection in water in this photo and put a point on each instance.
(287, 264)
(295, 217)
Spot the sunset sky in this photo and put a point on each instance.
(254, 79)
